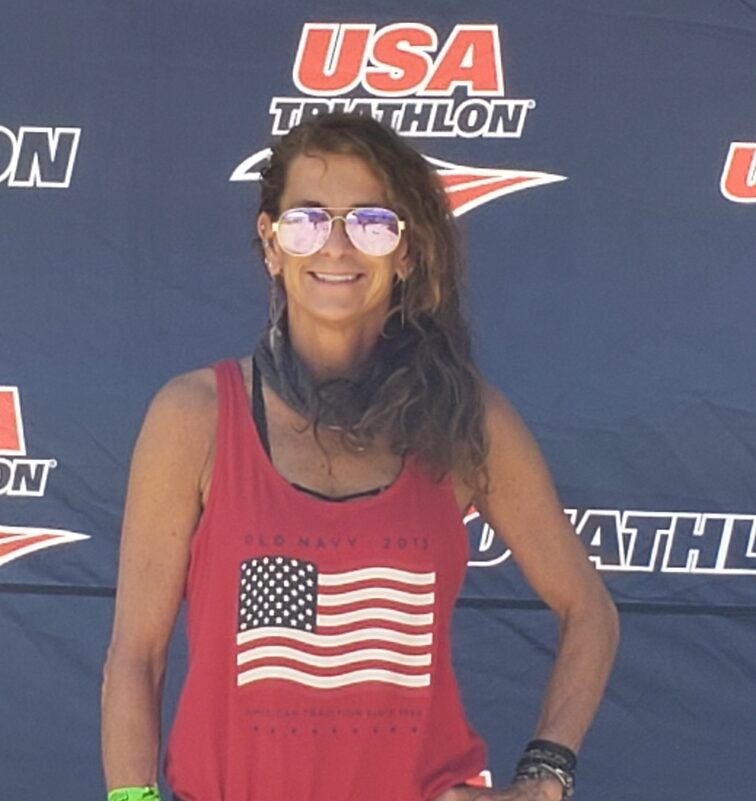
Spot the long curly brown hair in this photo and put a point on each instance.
(423, 389)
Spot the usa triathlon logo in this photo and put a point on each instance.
(407, 77)
(23, 477)
(713, 544)
(38, 157)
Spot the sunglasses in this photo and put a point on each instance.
(371, 229)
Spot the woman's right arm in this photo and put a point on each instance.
(169, 473)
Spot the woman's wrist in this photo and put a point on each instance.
(148, 793)
(545, 760)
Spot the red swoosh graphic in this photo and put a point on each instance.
(467, 187)
(470, 187)
(18, 541)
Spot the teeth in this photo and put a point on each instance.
(335, 279)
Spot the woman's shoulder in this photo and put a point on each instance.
(191, 394)
(185, 408)
(178, 434)
(508, 438)
(515, 465)
(188, 402)
(498, 415)
(498, 411)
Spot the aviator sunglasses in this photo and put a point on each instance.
(373, 230)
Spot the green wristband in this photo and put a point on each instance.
(134, 794)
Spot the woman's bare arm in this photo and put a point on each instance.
(523, 507)
(171, 463)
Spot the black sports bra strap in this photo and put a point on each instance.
(258, 408)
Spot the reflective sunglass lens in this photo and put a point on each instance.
(375, 231)
(301, 232)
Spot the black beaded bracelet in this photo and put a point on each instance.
(544, 759)
(554, 751)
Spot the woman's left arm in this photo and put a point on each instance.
(521, 505)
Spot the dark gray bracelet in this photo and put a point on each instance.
(544, 759)
(544, 771)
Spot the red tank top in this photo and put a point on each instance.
(319, 655)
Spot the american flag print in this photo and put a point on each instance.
(328, 630)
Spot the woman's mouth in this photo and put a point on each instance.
(336, 278)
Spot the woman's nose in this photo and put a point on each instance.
(338, 241)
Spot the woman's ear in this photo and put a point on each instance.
(403, 266)
(267, 237)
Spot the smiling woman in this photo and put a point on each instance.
(308, 500)
(420, 387)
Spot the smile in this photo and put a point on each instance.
(336, 278)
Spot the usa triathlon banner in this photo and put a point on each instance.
(600, 157)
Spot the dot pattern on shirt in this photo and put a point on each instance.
(277, 591)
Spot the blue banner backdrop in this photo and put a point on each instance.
(601, 158)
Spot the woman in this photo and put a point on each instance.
(318, 539)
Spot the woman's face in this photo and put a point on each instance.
(338, 285)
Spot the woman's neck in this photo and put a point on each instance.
(336, 352)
